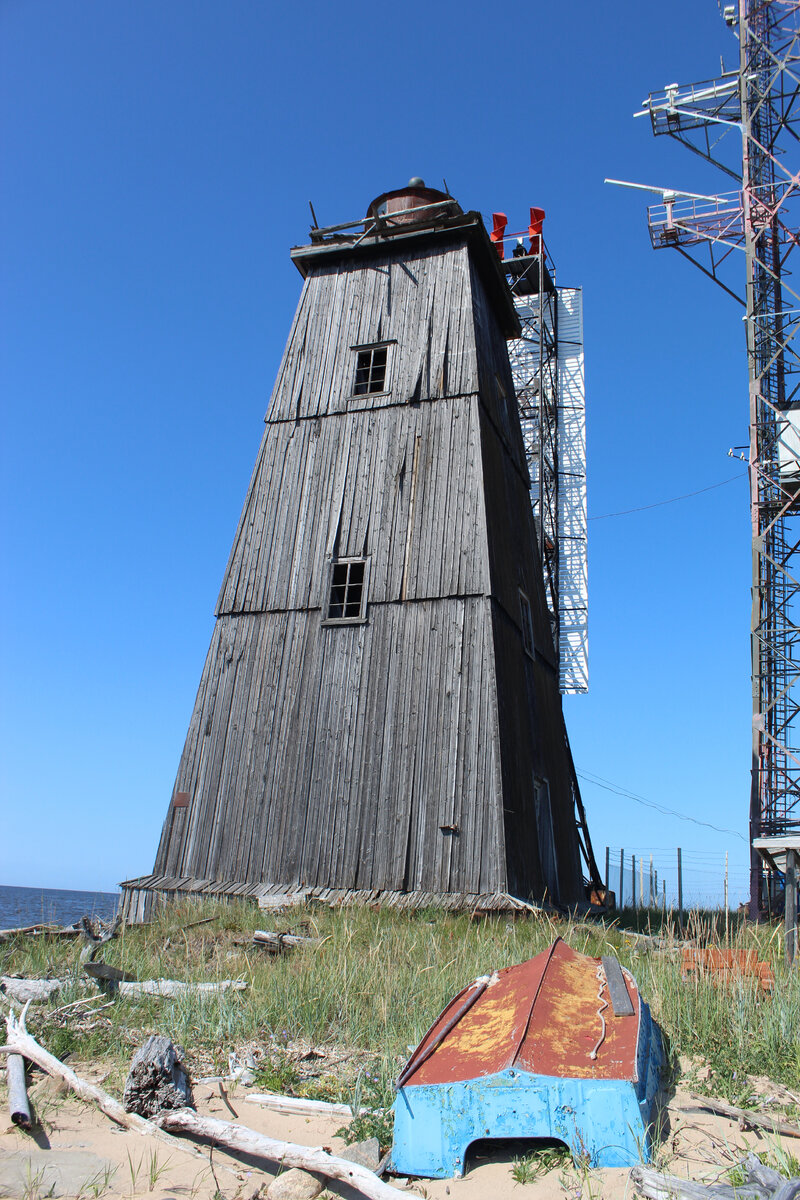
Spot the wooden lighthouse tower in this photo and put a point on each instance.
(379, 710)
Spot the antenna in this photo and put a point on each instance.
(671, 193)
(756, 227)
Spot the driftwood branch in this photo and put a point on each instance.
(18, 1104)
(288, 1154)
(748, 1117)
(97, 936)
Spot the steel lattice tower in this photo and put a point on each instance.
(761, 99)
(547, 370)
(534, 368)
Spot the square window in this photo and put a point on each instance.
(527, 623)
(371, 370)
(348, 590)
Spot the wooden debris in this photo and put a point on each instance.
(247, 1141)
(748, 1117)
(617, 989)
(157, 1079)
(656, 1186)
(275, 903)
(103, 974)
(80, 1004)
(19, 1041)
(759, 1173)
(18, 1103)
(278, 942)
(646, 940)
(725, 966)
(299, 1105)
(202, 921)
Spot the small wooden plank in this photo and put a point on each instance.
(618, 992)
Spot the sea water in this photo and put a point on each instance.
(21, 906)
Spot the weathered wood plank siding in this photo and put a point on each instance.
(364, 764)
(398, 754)
(344, 482)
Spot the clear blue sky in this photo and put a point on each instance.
(158, 160)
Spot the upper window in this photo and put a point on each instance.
(371, 370)
(527, 623)
(348, 590)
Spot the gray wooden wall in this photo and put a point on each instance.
(333, 755)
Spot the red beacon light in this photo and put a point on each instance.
(498, 232)
(499, 222)
(535, 229)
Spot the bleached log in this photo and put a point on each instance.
(18, 1103)
(288, 1154)
(25, 990)
(299, 1105)
(39, 930)
(174, 987)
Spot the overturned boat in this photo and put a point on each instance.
(560, 1047)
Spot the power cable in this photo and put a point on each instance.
(673, 500)
(667, 812)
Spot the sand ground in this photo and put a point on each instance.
(695, 1144)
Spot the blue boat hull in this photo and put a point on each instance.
(604, 1122)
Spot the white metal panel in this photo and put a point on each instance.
(788, 428)
(572, 517)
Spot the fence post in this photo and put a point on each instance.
(621, 900)
(633, 881)
(651, 881)
(726, 895)
(608, 851)
(790, 905)
(680, 890)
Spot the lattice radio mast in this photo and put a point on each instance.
(760, 100)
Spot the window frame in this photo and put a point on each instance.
(347, 560)
(372, 347)
(526, 624)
